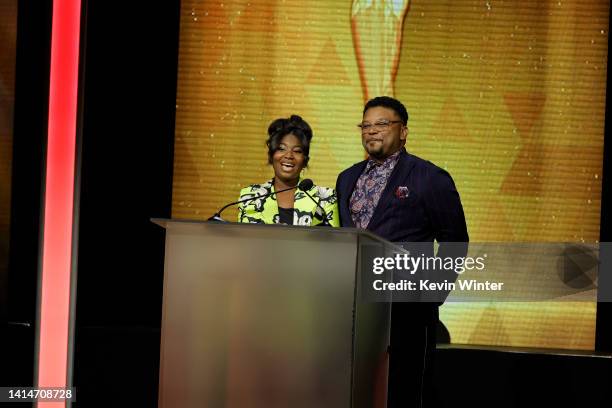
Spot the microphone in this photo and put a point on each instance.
(306, 185)
(217, 216)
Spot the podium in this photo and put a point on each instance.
(270, 316)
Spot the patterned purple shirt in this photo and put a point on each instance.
(369, 188)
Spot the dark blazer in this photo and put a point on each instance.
(431, 210)
(419, 204)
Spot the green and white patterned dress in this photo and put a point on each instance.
(306, 212)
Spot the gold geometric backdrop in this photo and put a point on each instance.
(508, 96)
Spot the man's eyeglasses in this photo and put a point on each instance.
(378, 126)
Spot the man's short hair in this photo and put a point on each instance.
(391, 103)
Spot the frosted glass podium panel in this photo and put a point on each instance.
(268, 316)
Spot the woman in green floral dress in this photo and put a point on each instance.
(288, 148)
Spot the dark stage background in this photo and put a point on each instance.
(127, 116)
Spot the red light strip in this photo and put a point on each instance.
(54, 300)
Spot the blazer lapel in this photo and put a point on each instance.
(270, 206)
(347, 190)
(304, 204)
(400, 172)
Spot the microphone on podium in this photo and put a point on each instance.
(306, 185)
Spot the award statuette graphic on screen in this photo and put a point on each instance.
(377, 37)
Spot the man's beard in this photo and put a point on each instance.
(375, 151)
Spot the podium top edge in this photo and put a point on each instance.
(166, 222)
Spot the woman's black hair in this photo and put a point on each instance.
(282, 127)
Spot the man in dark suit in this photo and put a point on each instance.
(403, 199)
